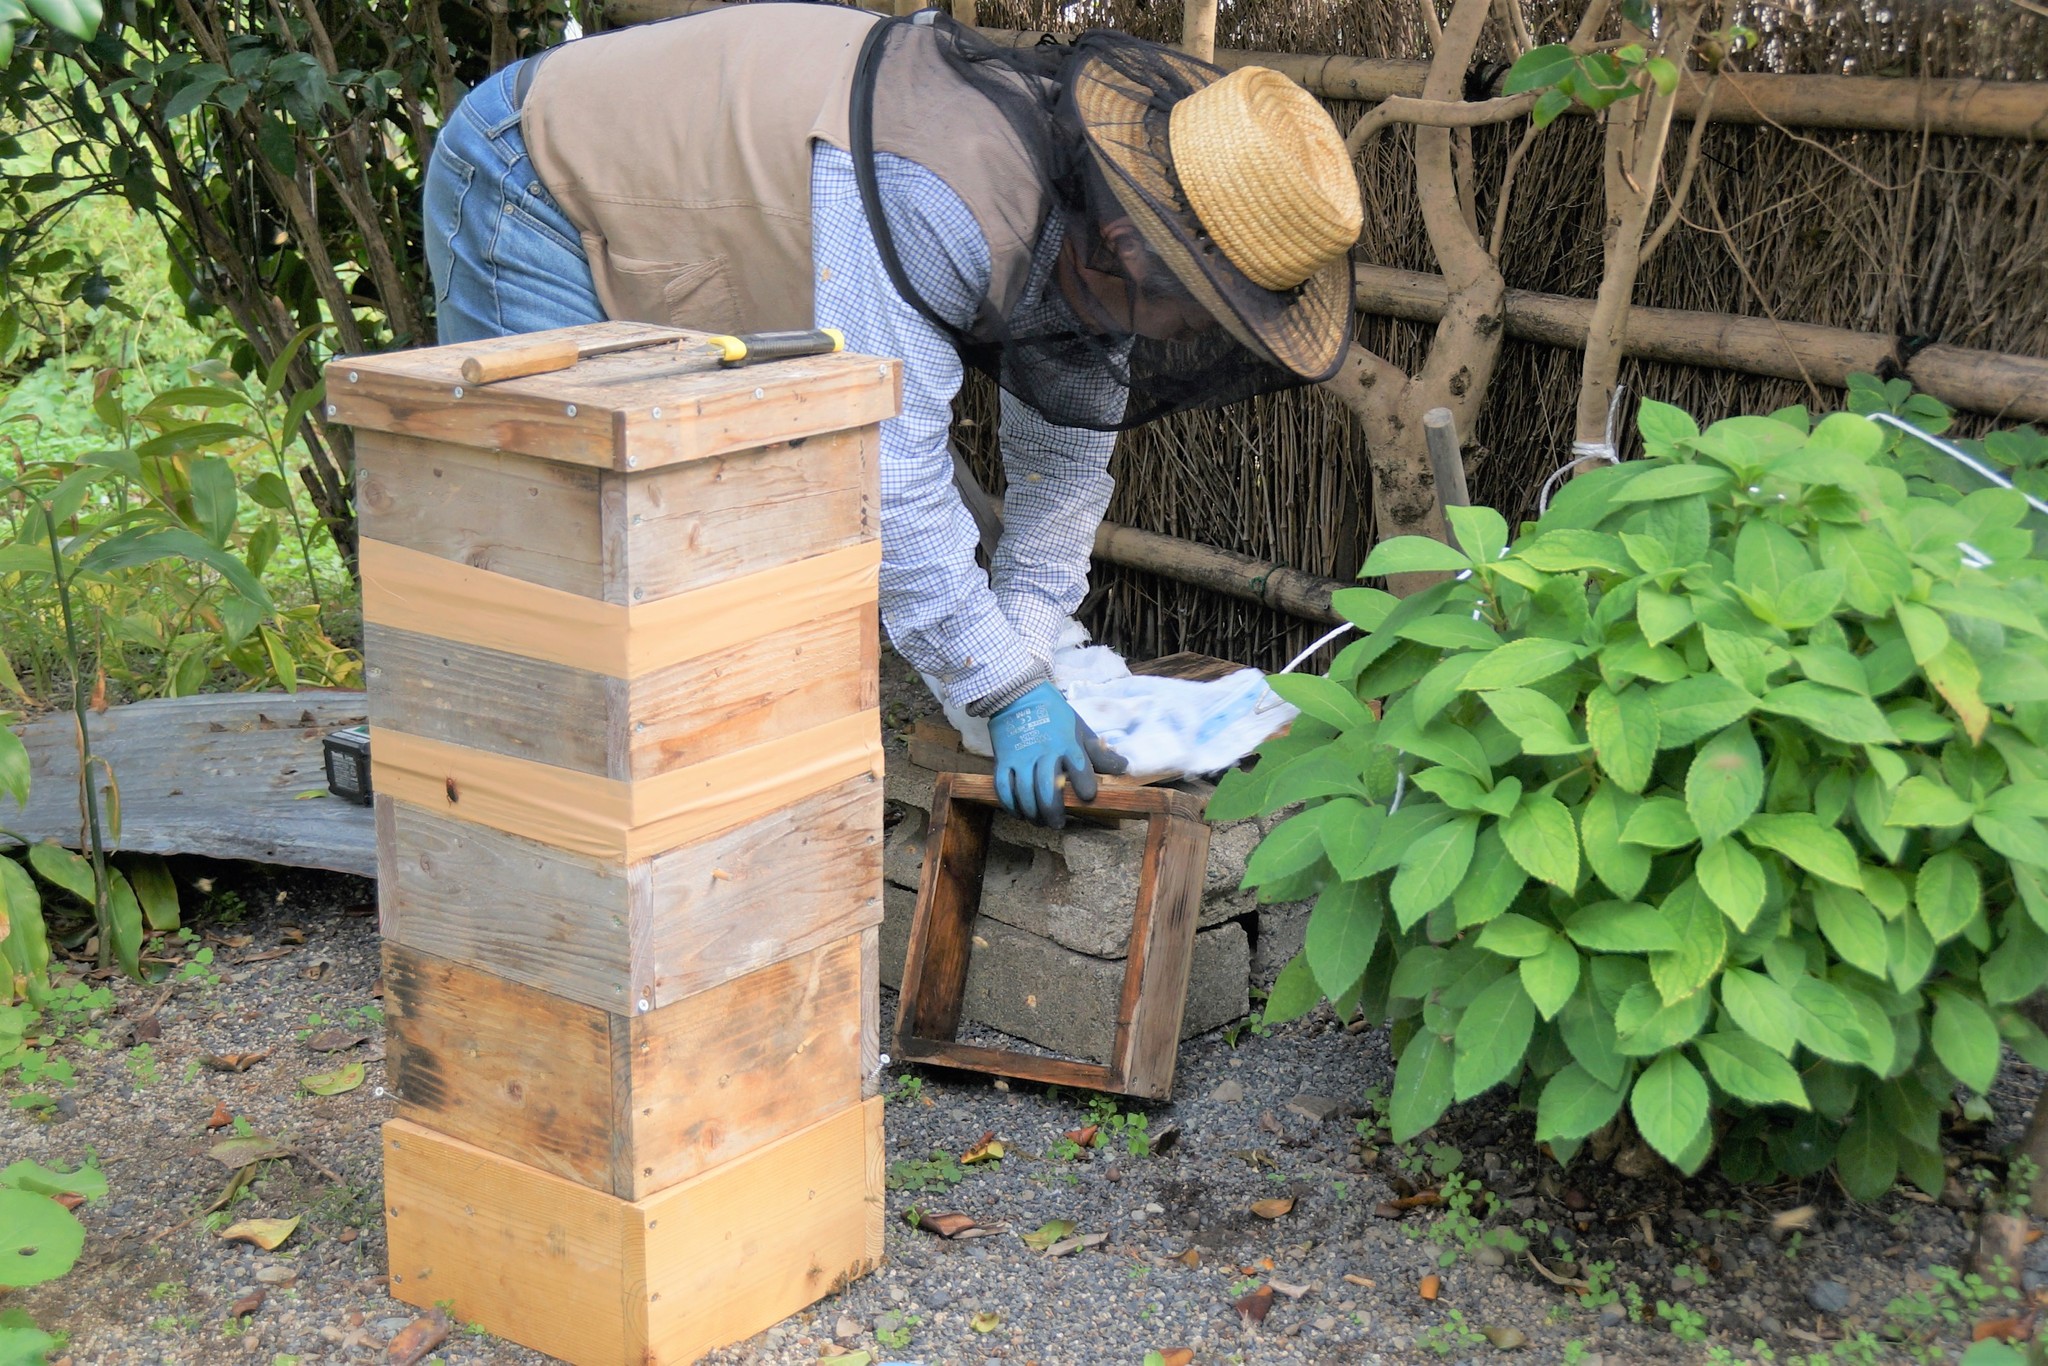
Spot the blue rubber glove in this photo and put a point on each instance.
(1037, 738)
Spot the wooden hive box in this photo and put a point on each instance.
(620, 628)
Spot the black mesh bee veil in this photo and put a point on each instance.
(1120, 309)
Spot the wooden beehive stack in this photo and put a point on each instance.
(620, 627)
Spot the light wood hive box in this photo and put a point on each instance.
(621, 642)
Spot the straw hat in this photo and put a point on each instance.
(1244, 190)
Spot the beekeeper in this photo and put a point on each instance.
(1113, 230)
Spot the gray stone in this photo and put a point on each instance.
(1829, 1297)
(1489, 1255)
(1612, 1316)
(1325, 1324)
(1313, 1107)
(1282, 930)
(1230, 1092)
(1028, 986)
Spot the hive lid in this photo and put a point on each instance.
(637, 407)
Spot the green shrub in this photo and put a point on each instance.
(1718, 794)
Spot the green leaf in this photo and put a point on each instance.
(1828, 1023)
(1623, 868)
(1550, 976)
(1294, 993)
(1909, 951)
(1328, 702)
(1575, 1104)
(214, 497)
(1767, 557)
(1491, 884)
(1748, 1070)
(14, 767)
(1833, 667)
(1805, 600)
(1748, 660)
(1413, 555)
(1569, 548)
(1702, 944)
(79, 18)
(87, 1182)
(1542, 838)
(1521, 662)
(2019, 838)
(1948, 894)
(125, 915)
(1623, 728)
(66, 869)
(342, 1079)
(39, 1239)
(1926, 632)
(1924, 802)
(1480, 532)
(1661, 615)
(1670, 1105)
(1697, 707)
(1874, 569)
(1452, 631)
(1664, 425)
(1663, 74)
(1801, 837)
(1660, 823)
(1965, 1039)
(154, 887)
(1587, 1028)
(1867, 1158)
(1422, 1086)
(1515, 936)
(2019, 966)
(1854, 927)
(1672, 481)
(1365, 608)
(1622, 927)
(1343, 929)
(126, 551)
(1539, 67)
(1725, 785)
(1733, 880)
(1645, 1026)
(1761, 1008)
(1289, 847)
(1492, 1036)
(1431, 869)
(1845, 716)
(1548, 106)
(1539, 723)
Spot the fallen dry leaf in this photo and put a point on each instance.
(262, 956)
(987, 1321)
(230, 941)
(1076, 1243)
(1254, 1307)
(148, 1029)
(98, 701)
(1432, 1286)
(1506, 1339)
(348, 1235)
(1084, 1137)
(233, 1062)
(1792, 1220)
(1365, 1281)
(268, 1234)
(315, 971)
(945, 1225)
(846, 1329)
(2005, 1330)
(342, 1079)
(220, 1118)
(235, 1153)
(1191, 1259)
(68, 1199)
(1163, 1139)
(1292, 1292)
(990, 1149)
(1254, 1157)
(1400, 1205)
(1048, 1233)
(248, 1304)
(412, 1342)
(1174, 1356)
(292, 934)
(1274, 1208)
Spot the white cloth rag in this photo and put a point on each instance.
(1158, 725)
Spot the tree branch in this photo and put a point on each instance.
(1427, 113)
(1680, 191)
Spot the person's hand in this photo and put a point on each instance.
(1037, 738)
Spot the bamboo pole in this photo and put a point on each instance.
(1446, 458)
(1198, 29)
(2014, 388)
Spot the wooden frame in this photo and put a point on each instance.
(1162, 943)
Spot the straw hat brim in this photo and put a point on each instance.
(1304, 330)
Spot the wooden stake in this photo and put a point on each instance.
(1446, 460)
(1198, 29)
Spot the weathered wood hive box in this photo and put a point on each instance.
(620, 628)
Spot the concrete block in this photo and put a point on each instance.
(1282, 928)
(1032, 988)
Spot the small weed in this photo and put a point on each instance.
(1696, 1276)
(1687, 1324)
(1450, 1337)
(1575, 1352)
(939, 1172)
(906, 1089)
(141, 1063)
(896, 1335)
(1242, 1286)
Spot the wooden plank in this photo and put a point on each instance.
(533, 519)
(779, 885)
(949, 895)
(542, 916)
(1004, 1063)
(627, 1104)
(815, 672)
(599, 1281)
(1117, 799)
(1156, 982)
(871, 1011)
(684, 526)
(726, 1071)
(465, 694)
(609, 935)
(422, 593)
(219, 774)
(610, 819)
(629, 410)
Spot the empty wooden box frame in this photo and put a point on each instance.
(1162, 941)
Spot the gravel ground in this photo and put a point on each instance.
(1275, 1117)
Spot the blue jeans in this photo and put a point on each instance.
(503, 257)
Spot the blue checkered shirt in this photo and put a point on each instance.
(986, 637)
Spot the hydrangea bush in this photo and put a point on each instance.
(1716, 797)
